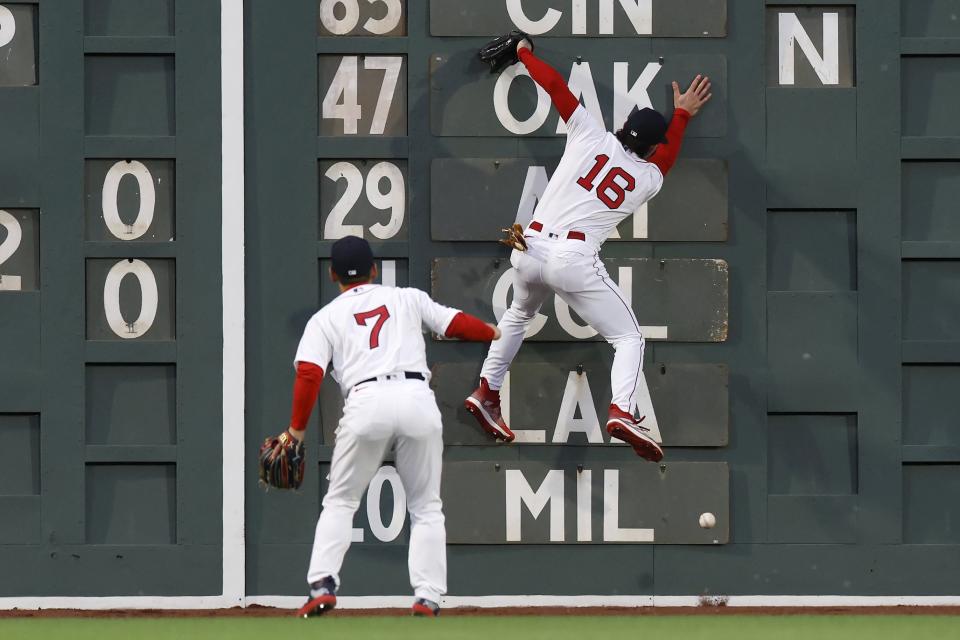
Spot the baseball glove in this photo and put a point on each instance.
(282, 462)
(513, 238)
(501, 52)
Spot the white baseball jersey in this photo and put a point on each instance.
(597, 184)
(372, 330)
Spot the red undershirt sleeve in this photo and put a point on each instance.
(306, 386)
(666, 154)
(467, 327)
(552, 82)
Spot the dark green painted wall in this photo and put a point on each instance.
(841, 446)
(842, 324)
(110, 491)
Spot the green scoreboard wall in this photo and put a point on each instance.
(796, 280)
(774, 275)
(109, 304)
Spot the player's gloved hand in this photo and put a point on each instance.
(513, 238)
(502, 52)
(693, 99)
(282, 462)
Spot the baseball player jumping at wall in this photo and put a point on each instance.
(602, 178)
(373, 335)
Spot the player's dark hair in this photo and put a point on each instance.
(632, 144)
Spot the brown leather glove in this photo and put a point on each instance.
(282, 462)
(513, 238)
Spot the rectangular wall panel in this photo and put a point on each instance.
(19, 45)
(20, 129)
(931, 191)
(490, 194)
(812, 454)
(131, 504)
(930, 405)
(130, 200)
(812, 352)
(928, 517)
(929, 88)
(547, 401)
(812, 251)
(130, 95)
(466, 100)
(565, 502)
(931, 299)
(131, 404)
(20, 433)
(677, 300)
(129, 18)
(662, 18)
(930, 18)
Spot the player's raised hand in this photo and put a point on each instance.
(693, 99)
(524, 44)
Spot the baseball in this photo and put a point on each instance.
(708, 520)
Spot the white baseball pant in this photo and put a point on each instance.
(377, 415)
(573, 270)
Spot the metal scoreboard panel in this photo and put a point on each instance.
(366, 198)
(19, 250)
(680, 300)
(560, 394)
(363, 95)
(131, 299)
(561, 18)
(19, 31)
(490, 194)
(466, 100)
(567, 501)
(130, 200)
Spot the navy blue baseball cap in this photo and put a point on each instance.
(646, 126)
(351, 257)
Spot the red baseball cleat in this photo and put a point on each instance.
(423, 608)
(323, 598)
(484, 404)
(623, 426)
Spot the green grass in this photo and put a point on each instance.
(698, 627)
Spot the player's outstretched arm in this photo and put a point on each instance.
(306, 386)
(686, 105)
(471, 328)
(550, 79)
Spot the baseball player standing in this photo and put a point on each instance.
(602, 178)
(373, 335)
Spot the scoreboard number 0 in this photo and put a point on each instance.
(149, 298)
(148, 200)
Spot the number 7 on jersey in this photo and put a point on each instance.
(381, 313)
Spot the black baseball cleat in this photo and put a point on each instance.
(323, 598)
(423, 608)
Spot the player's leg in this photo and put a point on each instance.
(529, 292)
(356, 458)
(589, 290)
(419, 457)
